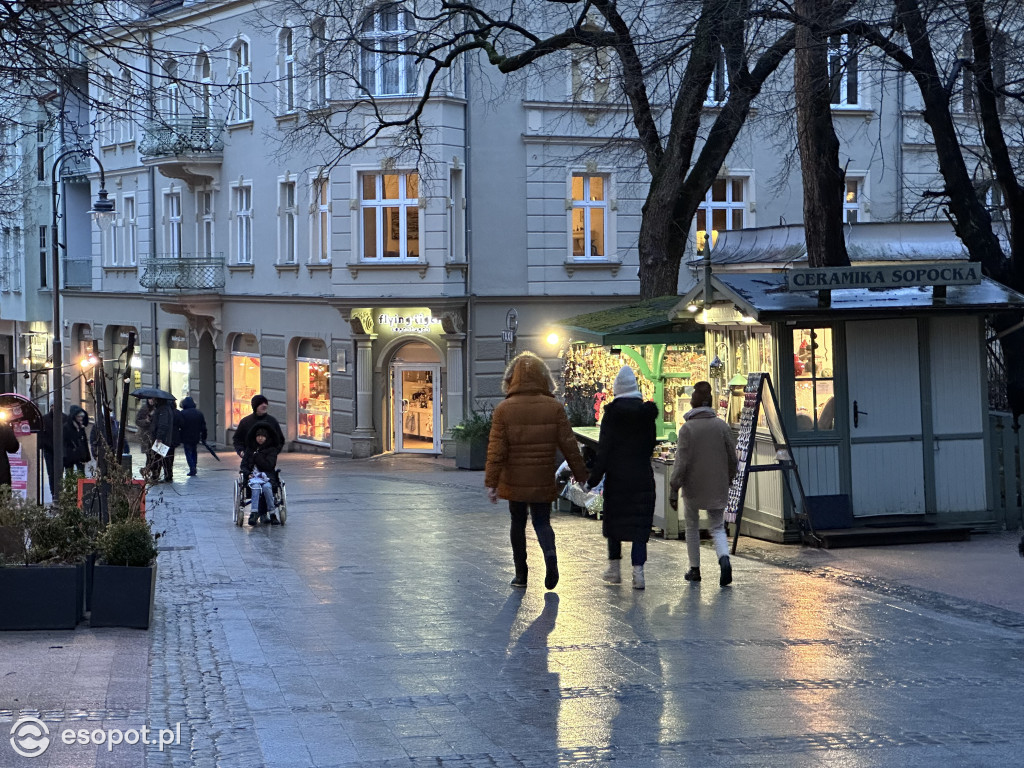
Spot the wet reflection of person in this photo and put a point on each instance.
(530, 656)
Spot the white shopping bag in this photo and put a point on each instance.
(160, 448)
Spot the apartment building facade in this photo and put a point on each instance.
(375, 299)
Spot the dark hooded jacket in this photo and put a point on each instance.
(8, 444)
(627, 439)
(249, 423)
(163, 426)
(263, 458)
(193, 423)
(76, 438)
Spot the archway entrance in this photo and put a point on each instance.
(415, 390)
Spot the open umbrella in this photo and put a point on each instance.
(212, 452)
(152, 392)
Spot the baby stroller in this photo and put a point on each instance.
(243, 498)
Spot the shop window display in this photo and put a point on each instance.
(814, 384)
(245, 381)
(314, 412)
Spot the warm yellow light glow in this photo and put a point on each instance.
(748, 319)
(552, 338)
(692, 308)
(88, 362)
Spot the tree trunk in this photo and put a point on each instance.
(661, 243)
(824, 180)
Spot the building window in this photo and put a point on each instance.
(204, 204)
(813, 374)
(589, 216)
(43, 254)
(172, 92)
(314, 383)
(718, 89)
(286, 71)
(318, 63)
(288, 231)
(241, 78)
(457, 217)
(387, 64)
(204, 93)
(131, 232)
(172, 226)
(842, 70)
(105, 119)
(111, 246)
(853, 210)
(243, 224)
(245, 375)
(320, 213)
(132, 100)
(998, 47)
(723, 209)
(40, 151)
(390, 216)
(11, 258)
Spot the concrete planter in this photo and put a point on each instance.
(41, 596)
(123, 596)
(471, 454)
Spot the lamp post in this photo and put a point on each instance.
(102, 212)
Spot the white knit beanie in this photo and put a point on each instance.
(625, 383)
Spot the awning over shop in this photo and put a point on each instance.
(647, 322)
(763, 297)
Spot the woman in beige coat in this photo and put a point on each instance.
(704, 469)
(527, 427)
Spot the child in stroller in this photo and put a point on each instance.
(259, 470)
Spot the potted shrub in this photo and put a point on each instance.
(124, 577)
(43, 585)
(471, 438)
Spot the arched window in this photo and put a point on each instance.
(241, 76)
(172, 90)
(387, 62)
(204, 96)
(286, 69)
(320, 91)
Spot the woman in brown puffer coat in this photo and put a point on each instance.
(527, 427)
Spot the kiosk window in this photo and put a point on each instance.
(813, 375)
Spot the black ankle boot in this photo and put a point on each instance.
(551, 577)
(726, 577)
(520, 579)
(692, 575)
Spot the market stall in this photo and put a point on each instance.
(882, 387)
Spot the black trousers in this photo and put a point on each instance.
(540, 513)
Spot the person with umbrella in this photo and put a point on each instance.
(193, 432)
(163, 427)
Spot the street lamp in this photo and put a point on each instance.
(102, 213)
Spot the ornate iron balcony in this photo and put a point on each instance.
(182, 136)
(170, 272)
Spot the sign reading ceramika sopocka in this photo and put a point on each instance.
(883, 276)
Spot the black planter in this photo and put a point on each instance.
(122, 596)
(41, 596)
(471, 454)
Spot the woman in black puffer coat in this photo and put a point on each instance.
(624, 448)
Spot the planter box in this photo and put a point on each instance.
(471, 454)
(41, 596)
(122, 596)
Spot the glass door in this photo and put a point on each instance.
(416, 395)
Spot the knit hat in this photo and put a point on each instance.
(258, 400)
(625, 383)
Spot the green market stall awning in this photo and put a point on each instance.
(647, 322)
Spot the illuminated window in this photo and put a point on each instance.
(389, 205)
(814, 379)
(314, 386)
(245, 375)
(723, 208)
(853, 210)
(589, 215)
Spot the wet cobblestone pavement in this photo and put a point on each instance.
(377, 629)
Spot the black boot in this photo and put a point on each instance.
(726, 577)
(520, 578)
(551, 577)
(693, 574)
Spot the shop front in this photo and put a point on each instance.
(245, 369)
(882, 388)
(313, 378)
(115, 355)
(409, 378)
(176, 344)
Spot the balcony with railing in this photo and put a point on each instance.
(183, 274)
(78, 273)
(190, 148)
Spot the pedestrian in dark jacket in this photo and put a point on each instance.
(46, 446)
(193, 432)
(704, 468)
(624, 447)
(76, 439)
(259, 468)
(527, 428)
(162, 428)
(8, 444)
(259, 415)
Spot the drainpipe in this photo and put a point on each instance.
(468, 370)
